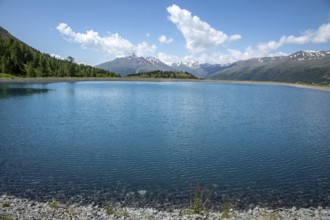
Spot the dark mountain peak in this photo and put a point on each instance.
(133, 64)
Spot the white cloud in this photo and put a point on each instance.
(321, 35)
(168, 58)
(144, 48)
(164, 39)
(266, 49)
(113, 44)
(214, 57)
(198, 34)
(56, 56)
(271, 48)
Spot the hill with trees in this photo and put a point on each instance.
(19, 59)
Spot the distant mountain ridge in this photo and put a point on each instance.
(302, 66)
(201, 70)
(134, 64)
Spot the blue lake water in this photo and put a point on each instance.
(109, 141)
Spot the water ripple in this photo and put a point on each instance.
(109, 140)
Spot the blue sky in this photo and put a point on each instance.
(215, 31)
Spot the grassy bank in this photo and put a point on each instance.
(6, 75)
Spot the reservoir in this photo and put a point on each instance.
(147, 143)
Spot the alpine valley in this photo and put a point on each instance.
(302, 66)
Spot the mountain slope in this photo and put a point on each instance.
(134, 64)
(303, 66)
(19, 59)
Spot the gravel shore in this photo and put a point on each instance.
(17, 208)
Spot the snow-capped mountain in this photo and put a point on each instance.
(134, 64)
(188, 63)
(309, 55)
(302, 66)
(188, 66)
(155, 61)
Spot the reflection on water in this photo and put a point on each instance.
(8, 91)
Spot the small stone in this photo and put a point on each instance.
(256, 211)
(142, 192)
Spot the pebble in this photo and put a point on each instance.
(142, 192)
(16, 208)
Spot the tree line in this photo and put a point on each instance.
(19, 59)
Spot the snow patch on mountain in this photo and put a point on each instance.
(308, 55)
(135, 64)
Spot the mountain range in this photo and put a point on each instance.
(134, 64)
(302, 66)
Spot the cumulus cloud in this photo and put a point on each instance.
(321, 35)
(198, 34)
(272, 47)
(265, 49)
(113, 44)
(168, 58)
(164, 39)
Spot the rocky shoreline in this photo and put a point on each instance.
(17, 208)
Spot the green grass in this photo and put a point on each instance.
(5, 205)
(198, 201)
(110, 210)
(53, 204)
(226, 210)
(6, 75)
(6, 217)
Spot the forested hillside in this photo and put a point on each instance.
(19, 59)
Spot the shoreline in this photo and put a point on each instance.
(124, 79)
(17, 208)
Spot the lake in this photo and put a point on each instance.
(147, 143)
